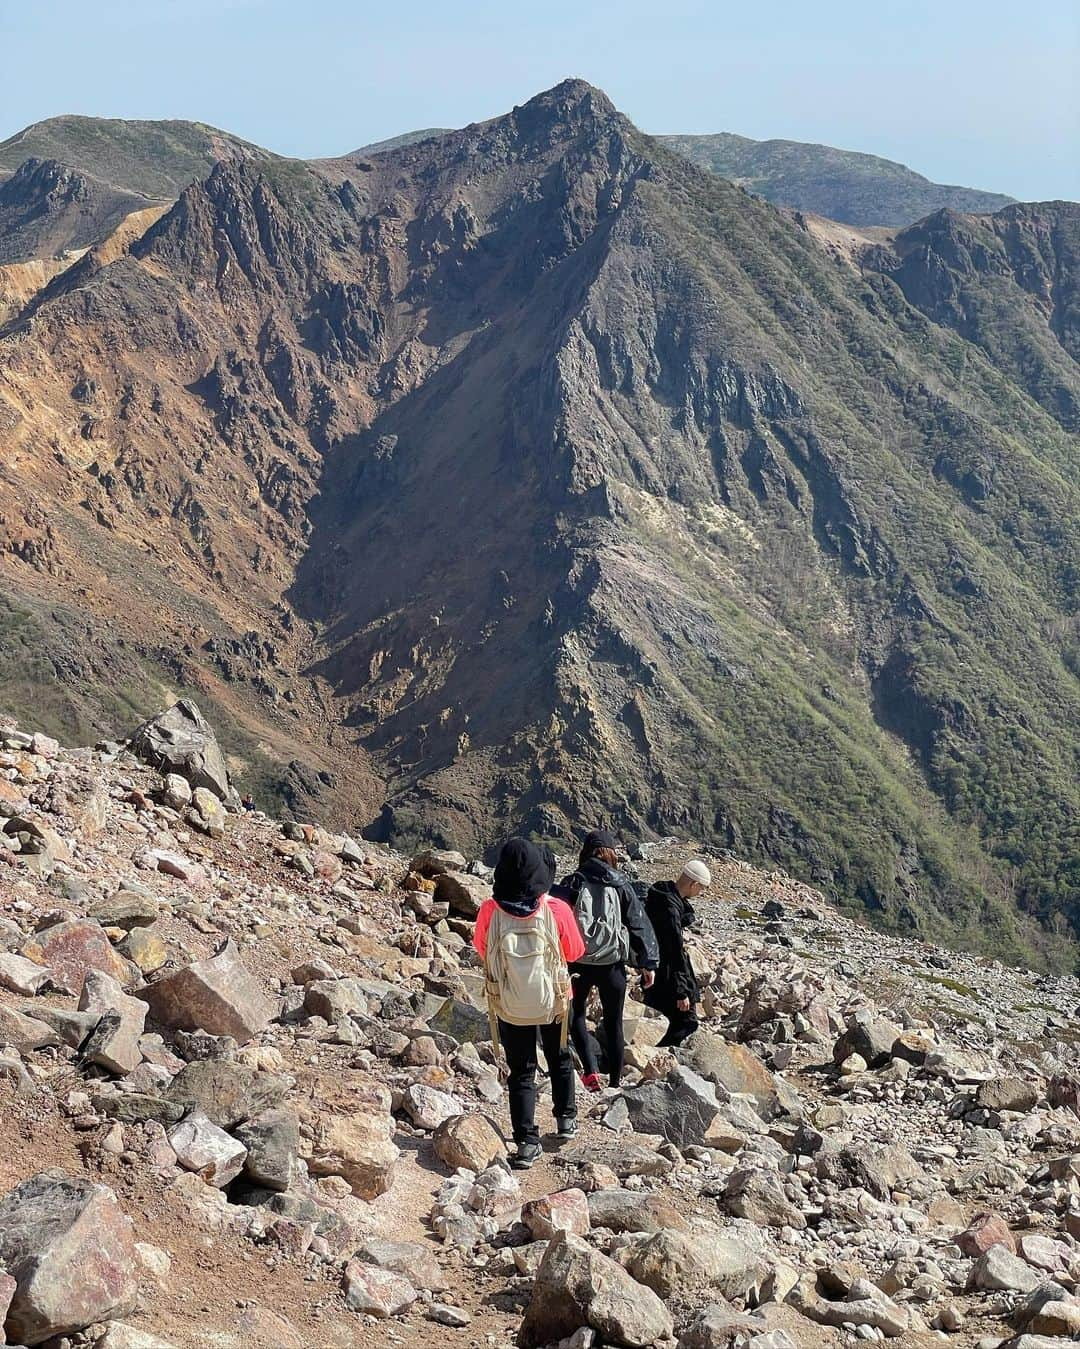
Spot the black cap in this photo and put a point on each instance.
(598, 839)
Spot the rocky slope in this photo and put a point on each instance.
(526, 475)
(245, 1060)
(854, 188)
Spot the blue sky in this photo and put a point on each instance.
(981, 94)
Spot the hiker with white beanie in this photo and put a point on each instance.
(675, 991)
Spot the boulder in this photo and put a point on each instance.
(1007, 1093)
(864, 1305)
(461, 1021)
(359, 1146)
(416, 1262)
(999, 1269)
(335, 999)
(210, 1152)
(735, 1068)
(680, 1108)
(469, 1141)
(71, 1251)
(207, 813)
(676, 1263)
(226, 1092)
(577, 1286)
(120, 1336)
(180, 741)
(69, 949)
(986, 1230)
(272, 1140)
(757, 1194)
(428, 1108)
(633, 1211)
(126, 909)
(25, 1033)
(114, 1042)
(462, 892)
(144, 948)
(720, 1326)
(19, 975)
(561, 1211)
(869, 1035)
(216, 995)
(437, 861)
(375, 1291)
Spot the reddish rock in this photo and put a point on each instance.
(72, 948)
(378, 1292)
(1065, 1091)
(562, 1211)
(216, 995)
(986, 1230)
(71, 1252)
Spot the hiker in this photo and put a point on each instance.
(615, 928)
(527, 940)
(675, 991)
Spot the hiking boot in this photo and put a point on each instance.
(591, 1081)
(526, 1155)
(566, 1128)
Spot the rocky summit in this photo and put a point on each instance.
(249, 1100)
(525, 475)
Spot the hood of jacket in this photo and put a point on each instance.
(522, 876)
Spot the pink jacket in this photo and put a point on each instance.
(570, 938)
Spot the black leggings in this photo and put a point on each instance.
(610, 983)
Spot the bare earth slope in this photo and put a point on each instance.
(527, 475)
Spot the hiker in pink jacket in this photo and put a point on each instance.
(527, 939)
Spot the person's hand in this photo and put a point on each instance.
(648, 978)
(683, 1004)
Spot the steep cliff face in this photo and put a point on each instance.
(527, 476)
(1008, 283)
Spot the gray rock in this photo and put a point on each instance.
(999, 1268)
(181, 741)
(868, 1034)
(680, 1108)
(410, 1258)
(272, 1140)
(216, 995)
(577, 1286)
(672, 1262)
(754, 1193)
(227, 1093)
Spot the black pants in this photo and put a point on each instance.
(610, 983)
(681, 1025)
(519, 1045)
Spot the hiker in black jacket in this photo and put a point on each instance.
(616, 930)
(675, 990)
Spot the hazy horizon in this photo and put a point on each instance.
(978, 95)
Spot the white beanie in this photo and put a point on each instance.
(697, 871)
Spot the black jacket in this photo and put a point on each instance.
(669, 914)
(644, 953)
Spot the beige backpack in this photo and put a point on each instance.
(525, 971)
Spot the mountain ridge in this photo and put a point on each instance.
(787, 563)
